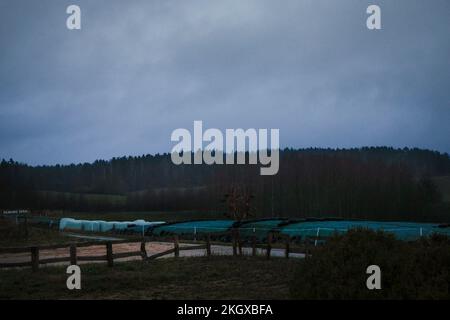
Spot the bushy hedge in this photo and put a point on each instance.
(416, 270)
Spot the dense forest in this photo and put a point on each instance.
(372, 182)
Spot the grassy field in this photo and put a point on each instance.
(219, 277)
(336, 270)
(12, 235)
(92, 198)
(184, 278)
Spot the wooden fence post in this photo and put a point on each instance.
(176, 246)
(234, 243)
(306, 247)
(269, 244)
(254, 246)
(73, 254)
(208, 245)
(239, 242)
(35, 258)
(143, 250)
(26, 227)
(286, 254)
(109, 254)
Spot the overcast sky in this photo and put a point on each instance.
(137, 70)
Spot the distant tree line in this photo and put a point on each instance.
(372, 182)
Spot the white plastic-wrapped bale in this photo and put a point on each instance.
(138, 226)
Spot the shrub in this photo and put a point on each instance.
(337, 270)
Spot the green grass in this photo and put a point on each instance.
(12, 235)
(182, 278)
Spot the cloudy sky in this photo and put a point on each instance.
(137, 70)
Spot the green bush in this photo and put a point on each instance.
(337, 270)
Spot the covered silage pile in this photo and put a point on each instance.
(137, 226)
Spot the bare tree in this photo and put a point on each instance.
(238, 203)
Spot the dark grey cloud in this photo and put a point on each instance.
(139, 69)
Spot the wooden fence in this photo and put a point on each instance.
(73, 258)
(271, 242)
(110, 256)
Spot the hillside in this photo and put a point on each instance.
(375, 182)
